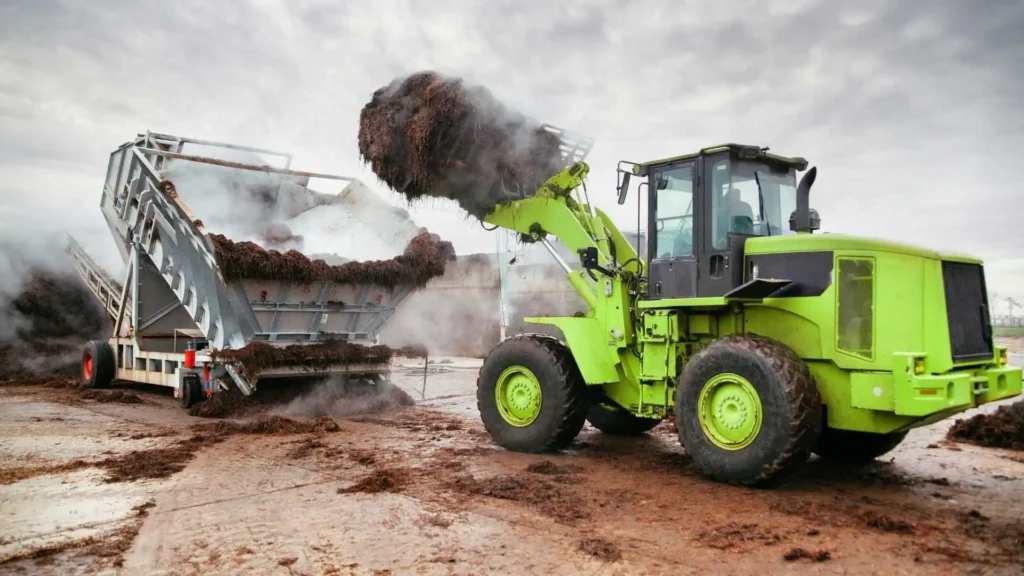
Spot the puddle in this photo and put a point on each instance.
(44, 509)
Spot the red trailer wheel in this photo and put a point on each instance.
(97, 364)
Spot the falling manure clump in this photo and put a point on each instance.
(424, 258)
(427, 135)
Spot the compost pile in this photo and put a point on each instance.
(424, 258)
(52, 317)
(427, 135)
(1003, 428)
(257, 356)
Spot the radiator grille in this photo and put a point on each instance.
(970, 329)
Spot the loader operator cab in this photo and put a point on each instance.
(703, 207)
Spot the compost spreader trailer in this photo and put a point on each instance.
(176, 310)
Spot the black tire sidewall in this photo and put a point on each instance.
(191, 392)
(102, 364)
(774, 436)
(186, 393)
(535, 436)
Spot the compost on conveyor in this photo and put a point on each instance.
(257, 356)
(426, 135)
(424, 258)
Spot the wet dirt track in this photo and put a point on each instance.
(449, 502)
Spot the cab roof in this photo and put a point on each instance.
(742, 151)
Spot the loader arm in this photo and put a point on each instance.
(557, 209)
(604, 341)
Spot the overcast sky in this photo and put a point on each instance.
(911, 110)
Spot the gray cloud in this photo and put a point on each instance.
(910, 111)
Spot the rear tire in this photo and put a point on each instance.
(531, 395)
(612, 419)
(849, 447)
(191, 391)
(97, 364)
(748, 410)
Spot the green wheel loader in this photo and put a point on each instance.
(765, 341)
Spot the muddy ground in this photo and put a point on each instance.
(422, 490)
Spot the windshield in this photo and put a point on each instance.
(741, 206)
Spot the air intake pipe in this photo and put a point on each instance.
(804, 220)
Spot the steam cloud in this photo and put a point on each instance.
(341, 397)
(459, 314)
(46, 313)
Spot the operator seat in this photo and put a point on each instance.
(741, 215)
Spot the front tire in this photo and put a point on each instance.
(855, 448)
(531, 395)
(612, 419)
(748, 410)
(97, 364)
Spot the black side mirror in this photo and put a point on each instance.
(588, 256)
(623, 187)
(588, 260)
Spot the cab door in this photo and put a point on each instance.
(732, 213)
(671, 237)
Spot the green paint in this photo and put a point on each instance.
(730, 411)
(518, 396)
(597, 363)
(843, 242)
(635, 348)
(658, 357)
(685, 302)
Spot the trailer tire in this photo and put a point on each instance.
(191, 391)
(97, 364)
(531, 395)
(614, 420)
(850, 447)
(748, 410)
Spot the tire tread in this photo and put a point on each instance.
(802, 394)
(573, 411)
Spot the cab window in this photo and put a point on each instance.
(750, 199)
(673, 220)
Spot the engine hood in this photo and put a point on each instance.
(820, 242)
